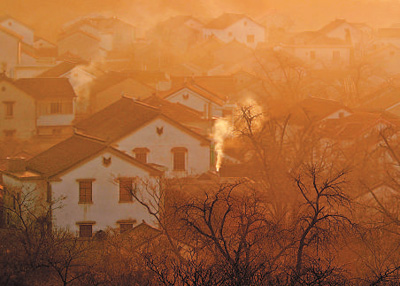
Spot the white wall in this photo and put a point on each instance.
(195, 101)
(26, 33)
(23, 120)
(9, 52)
(198, 157)
(239, 32)
(105, 210)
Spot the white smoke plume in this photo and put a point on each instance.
(81, 80)
(222, 130)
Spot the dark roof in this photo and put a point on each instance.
(46, 87)
(179, 112)
(225, 20)
(118, 119)
(315, 109)
(59, 69)
(65, 154)
(110, 79)
(72, 151)
(123, 117)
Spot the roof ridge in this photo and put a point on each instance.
(86, 136)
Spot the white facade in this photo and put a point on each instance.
(196, 101)
(197, 157)
(26, 33)
(244, 31)
(105, 209)
(10, 54)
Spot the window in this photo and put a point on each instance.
(250, 39)
(9, 108)
(85, 230)
(85, 191)
(336, 55)
(179, 157)
(141, 154)
(312, 55)
(125, 190)
(9, 134)
(123, 227)
(56, 108)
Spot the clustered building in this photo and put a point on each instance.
(95, 115)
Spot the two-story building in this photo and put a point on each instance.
(88, 184)
(149, 135)
(35, 106)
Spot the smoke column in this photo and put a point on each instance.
(222, 129)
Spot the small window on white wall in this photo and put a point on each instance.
(179, 158)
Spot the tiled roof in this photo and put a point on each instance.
(179, 112)
(196, 89)
(224, 21)
(72, 151)
(110, 79)
(125, 116)
(65, 154)
(59, 69)
(315, 109)
(46, 87)
(118, 119)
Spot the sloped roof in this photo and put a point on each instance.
(196, 89)
(60, 69)
(77, 31)
(65, 154)
(110, 79)
(72, 151)
(46, 87)
(11, 33)
(224, 21)
(124, 117)
(118, 119)
(357, 124)
(179, 112)
(315, 109)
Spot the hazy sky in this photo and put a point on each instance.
(49, 15)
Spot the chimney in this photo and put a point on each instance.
(16, 164)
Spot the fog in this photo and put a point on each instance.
(195, 143)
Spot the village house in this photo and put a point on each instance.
(35, 107)
(114, 33)
(181, 32)
(320, 51)
(22, 30)
(89, 179)
(239, 27)
(389, 36)
(108, 88)
(82, 43)
(150, 136)
(198, 98)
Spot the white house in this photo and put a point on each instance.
(239, 27)
(150, 136)
(22, 30)
(35, 106)
(197, 98)
(92, 181)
